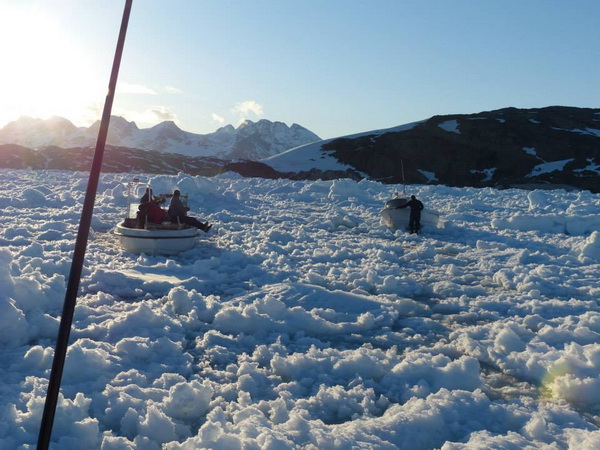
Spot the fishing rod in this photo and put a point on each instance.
(62, 340)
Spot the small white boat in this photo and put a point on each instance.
(164, 238)
(159, 240)
(395, 217)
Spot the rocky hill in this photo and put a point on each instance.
(250, 141)
(116, 159)
(507, 147)
(125, 159)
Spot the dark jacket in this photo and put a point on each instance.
(416, 206)
(176, 209)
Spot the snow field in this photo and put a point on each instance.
(302, 322)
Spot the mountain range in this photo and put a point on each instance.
(250, 141)
(548, 147)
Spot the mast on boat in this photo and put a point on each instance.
(403, 181)
(62, 340)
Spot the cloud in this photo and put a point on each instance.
(163, 113)
(241, 111)
(173, 90)
(90, 114)
(127, 88)
(247, 108)
(218, 119)
(150, 116)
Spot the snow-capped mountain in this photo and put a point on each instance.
(250, 141)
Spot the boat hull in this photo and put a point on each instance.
(156, 241)
(396, 218)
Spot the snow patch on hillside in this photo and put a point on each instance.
(548, 167)
(450, 126)
(312, 156)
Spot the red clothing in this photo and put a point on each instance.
(154, 212)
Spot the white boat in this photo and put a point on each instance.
(164, 238)
(395, 217)
(158, 240)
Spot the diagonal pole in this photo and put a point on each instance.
(62, 340)
(403, 182)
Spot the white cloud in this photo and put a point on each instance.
(149, 117)
(173, 90)
(90, 114)
(217, 118)
(128, 88)
(247, 108)
(163, 113)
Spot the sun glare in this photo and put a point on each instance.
(44, 73)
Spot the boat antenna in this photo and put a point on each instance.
(403, 181)
(62, 340)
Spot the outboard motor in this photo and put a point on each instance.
(396, 203)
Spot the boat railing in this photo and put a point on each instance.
(130, 222)
(132, 216)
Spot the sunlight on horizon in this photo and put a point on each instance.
(45, 73)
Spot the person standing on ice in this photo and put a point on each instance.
(416, 206)
(177, 213)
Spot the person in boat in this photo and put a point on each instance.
(149, 209)
(155, 213)
(414, 221)
(177, 213)
(147, 196)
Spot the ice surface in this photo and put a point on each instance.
(303, 322)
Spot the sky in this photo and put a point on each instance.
(336, 67)
(315, 327)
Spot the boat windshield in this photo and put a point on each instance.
(135, 192)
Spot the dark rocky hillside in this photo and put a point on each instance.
(124, 159)
(554, 146)
(116, 159)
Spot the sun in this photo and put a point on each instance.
(44, 72)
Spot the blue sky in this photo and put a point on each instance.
(334, 67)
